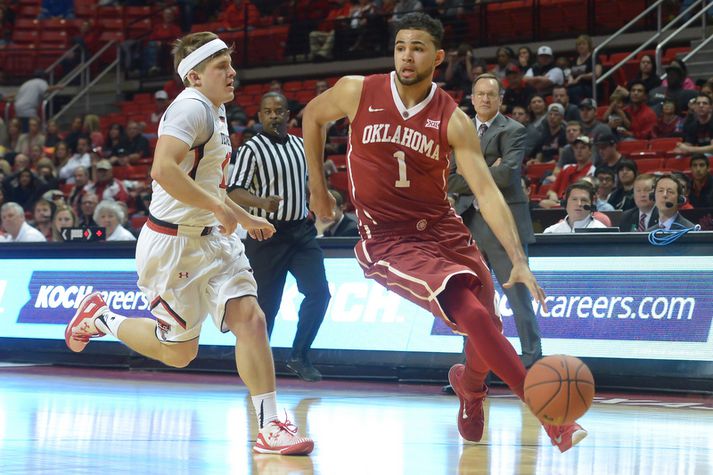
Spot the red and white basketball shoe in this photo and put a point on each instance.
(81, 327)
(279, 437)
(471, 419)
(565, 437)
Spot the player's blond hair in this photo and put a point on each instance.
(188, 44)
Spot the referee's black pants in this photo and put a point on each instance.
(293, 248)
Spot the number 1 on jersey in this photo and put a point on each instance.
(402, 182)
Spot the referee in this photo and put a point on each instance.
(270, 178)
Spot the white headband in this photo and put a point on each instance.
(199, 55)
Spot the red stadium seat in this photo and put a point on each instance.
(536, 171)
(666, 144)
(339, 181)
(649, 165)
(632, 146)
(682, 164)
(340, 161)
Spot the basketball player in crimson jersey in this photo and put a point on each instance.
(403, 128)
(189, 260)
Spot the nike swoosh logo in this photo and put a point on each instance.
(558, 439)
(371, 109)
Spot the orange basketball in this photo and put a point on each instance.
(559, 389)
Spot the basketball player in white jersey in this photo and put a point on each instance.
(190, 262)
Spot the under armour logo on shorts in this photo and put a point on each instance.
(183, 275)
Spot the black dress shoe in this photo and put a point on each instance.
(304, 370)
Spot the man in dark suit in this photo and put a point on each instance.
(342, 225)
(502, 141)
(645, 214)
(668, 196)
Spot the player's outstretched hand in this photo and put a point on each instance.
(322, 205)
(259, 228)
(228, 220)
(521, 273)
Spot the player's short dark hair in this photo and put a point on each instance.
(702, 158)
(423, 22)
(501, 89)
(580, 185)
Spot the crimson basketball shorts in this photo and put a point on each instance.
(416, 260)
(189, 275)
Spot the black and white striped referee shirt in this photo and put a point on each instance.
(265, 166)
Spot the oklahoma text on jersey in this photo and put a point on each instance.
(405, 136)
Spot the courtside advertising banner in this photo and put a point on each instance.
(614, 307)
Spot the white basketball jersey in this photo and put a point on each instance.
(206, 163)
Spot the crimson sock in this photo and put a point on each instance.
(486, 346)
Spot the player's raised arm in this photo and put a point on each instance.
(472, 166)
(339, 101)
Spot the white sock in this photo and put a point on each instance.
(109, 322)
(265, 408)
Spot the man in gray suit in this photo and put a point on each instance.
(502, 141)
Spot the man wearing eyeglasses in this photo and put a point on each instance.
(502, 141)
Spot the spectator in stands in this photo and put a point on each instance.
(669, 123)
(504, 57)
(701, 195)
(52, 136)
(363, 29)
(566, 155)
(21, 162)
(645, 214)
(33, 136)
(108, 214)
(688, 83)
(138, 146)
(116, 143)
(83, 158)
(403, 7)
(579, 81)
(24, 188)
(525, 58)
(623, 196)
(92, 129)
(571, 173)
(75, 132)
(647, 74)
(29, 97)
(3, 137)
(105, 186)
(239, 15)
(642, 118)
(14, 130)
(591, 127)
(81, 179)
(160, 39)
(559, 95)
(36, 153)
(86, 209)
(606, 179)
(64, 217)
(47, 172)
(537, 108)
(61, 153)
(544, 74)
(321, 40)
(607, 153)
(42, 212)
(459, 69)
(552, 136)
(341, 225)
(579, 199)
(161, 101)
(675, 75)
(88, 40)
(57, 9)
(615, 115)
(517, 93)
(685, 188)
(698, 133)
(668, 197)
(12, 217)
(519, 113)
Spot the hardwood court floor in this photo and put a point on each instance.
(57, 420)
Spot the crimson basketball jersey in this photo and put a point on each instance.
(398, 158)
